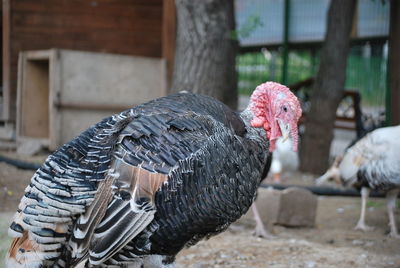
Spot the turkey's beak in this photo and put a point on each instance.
(332, 173)
(285, 130)
(324, 178)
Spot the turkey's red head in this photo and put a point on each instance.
(277, 110)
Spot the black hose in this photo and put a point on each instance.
(330, 191)
(19, 164)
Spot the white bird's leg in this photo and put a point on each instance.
(260, 230)
(391, 206)
(276, 169)
(277, 178)
(361, 222)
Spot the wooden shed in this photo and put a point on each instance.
(129, 27)
(62, 92)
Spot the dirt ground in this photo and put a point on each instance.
(332, 243)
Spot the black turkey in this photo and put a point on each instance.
(139, 186)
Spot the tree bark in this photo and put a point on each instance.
(328, 88)
(205, 52)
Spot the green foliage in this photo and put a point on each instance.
(250, 25)
(368, 76)
(254, 69)
(384, 2)
(380, 203)
(375, 204)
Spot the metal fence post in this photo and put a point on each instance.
(285, 54)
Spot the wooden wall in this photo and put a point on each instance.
(132, 27)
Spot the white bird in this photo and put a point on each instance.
(283, 158)
(371, 163)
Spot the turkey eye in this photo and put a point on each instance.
(284, 109)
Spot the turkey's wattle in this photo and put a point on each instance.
(139, 186)
(277, 110)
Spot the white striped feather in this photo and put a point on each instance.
(132, 223)
(48, 203)
(86, 223)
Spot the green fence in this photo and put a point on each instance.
(366, 70)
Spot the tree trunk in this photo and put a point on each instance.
(205, 52)
(328, 88)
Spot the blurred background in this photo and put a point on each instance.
(306, 24)
(63, 58)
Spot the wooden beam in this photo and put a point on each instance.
(5, 114)
(315, 45)
(169, 37)
(93, 106)
(394, 64)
